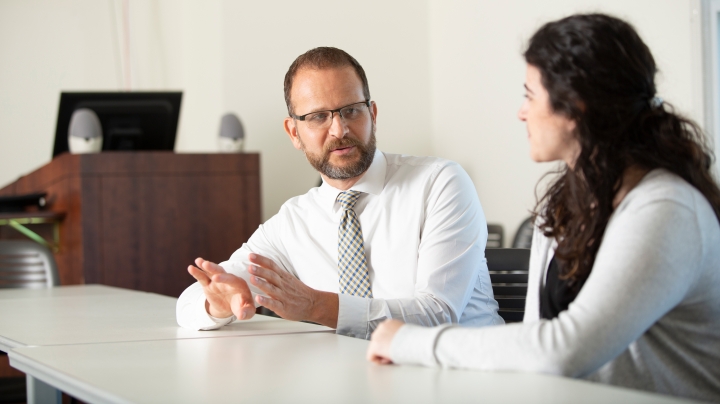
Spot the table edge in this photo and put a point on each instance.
(68, 384)
(7, 344)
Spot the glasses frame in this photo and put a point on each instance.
(332, 111)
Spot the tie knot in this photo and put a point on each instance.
(347, 199)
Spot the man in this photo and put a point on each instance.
(385, 236)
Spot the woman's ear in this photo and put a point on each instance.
(570, 126)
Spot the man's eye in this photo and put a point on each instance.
(351, 112)
(317, 117)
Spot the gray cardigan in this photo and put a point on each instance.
(648, 316)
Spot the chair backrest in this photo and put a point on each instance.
(26, 264)
(508, 269)
(523, 236)
(495, 236)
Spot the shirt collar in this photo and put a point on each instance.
(372, 182)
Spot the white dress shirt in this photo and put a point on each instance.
(424, 232)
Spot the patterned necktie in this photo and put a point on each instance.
(354, 277)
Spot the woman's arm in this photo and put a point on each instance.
(648, 260)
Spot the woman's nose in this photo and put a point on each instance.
(522, 113)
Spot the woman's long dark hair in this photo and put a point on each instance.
(599, 73)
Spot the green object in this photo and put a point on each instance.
(19, 225)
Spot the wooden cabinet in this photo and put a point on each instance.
(138, 219)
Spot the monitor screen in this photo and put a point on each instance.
(129, 120)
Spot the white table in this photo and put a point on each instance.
(299, 368)
(91, 314)
(95, 313)
(62, 291)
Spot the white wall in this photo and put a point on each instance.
(49, 46)
(447, 75)
(44, 48)
(477, 84)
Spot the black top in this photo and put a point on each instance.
(557, 294)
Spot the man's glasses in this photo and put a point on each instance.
(321, 120)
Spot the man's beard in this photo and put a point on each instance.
(323, 165)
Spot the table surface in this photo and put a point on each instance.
(97, 314)
(310, 367)
(62, 291)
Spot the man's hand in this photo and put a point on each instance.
(289, 297)
(226, 293)
(380, 341)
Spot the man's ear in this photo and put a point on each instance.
(291, 130)
(373, 110)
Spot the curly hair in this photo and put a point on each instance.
(599, 73)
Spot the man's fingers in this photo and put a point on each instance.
(231, 281)
(272, 304)
(266, 269)
(199, 275)
(266, 286)
(210, 268)
(241, 302)
(242, 308)
(271, 275)
(261, 261)
(199, 261)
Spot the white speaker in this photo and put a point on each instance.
(232, 134)
(84, 132)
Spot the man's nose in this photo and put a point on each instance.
(338, 128)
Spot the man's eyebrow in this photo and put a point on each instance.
(527, 89)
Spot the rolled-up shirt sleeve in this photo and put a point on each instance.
(190, 309)
(358, 317)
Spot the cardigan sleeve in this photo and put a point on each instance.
(636, 279)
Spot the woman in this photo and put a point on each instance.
(625, 265)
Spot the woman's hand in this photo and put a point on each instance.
(380, 341)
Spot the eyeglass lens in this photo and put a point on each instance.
(323, 119)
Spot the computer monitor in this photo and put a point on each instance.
(130, 120)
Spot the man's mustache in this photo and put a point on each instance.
(340, 143)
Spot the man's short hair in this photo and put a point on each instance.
(323, 57)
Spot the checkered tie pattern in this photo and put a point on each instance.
(354, 276)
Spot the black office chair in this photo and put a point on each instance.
(496, 236)
(508, 269)
(523, 236)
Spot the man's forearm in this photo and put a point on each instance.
(325, 309)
